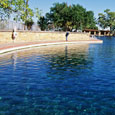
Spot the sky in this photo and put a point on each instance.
(97, 6)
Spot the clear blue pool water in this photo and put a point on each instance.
(59, 80)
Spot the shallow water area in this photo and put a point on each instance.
(59, 80)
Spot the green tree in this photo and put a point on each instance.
(29, 23)
(20, 10)
(60, 16)
(6, 7)
(42, 22)
(90, 21)
(71, 17)
(24, 13)
(38, 13)
(78, 13)
(107, 20)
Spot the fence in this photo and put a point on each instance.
(9, 25)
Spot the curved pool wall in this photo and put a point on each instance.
(20, 46)
(30, 36)
(62, 79)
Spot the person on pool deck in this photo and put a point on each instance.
(67, 34)
(14, 34)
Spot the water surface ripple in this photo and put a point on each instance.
(59, 80)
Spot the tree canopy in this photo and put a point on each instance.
(6, 7)
(19, 8)
(71, 17)
(42, 22)
(107, 20)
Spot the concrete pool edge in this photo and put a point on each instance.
(38, 44)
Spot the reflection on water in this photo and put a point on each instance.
(70, 63)
(58, 80)
(14, 60)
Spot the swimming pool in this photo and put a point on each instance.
(59, 80)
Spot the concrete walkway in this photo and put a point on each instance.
(6, 47)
